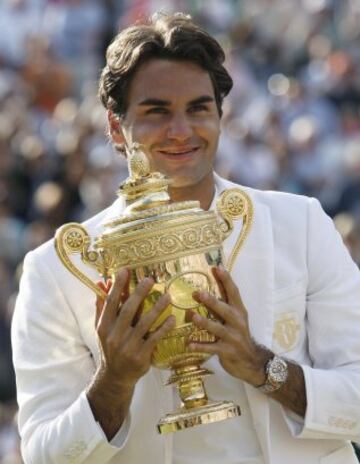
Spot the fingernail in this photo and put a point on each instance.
(221, 268)
(122, 274)
(166, 298)
(203, 295)
(171, 320)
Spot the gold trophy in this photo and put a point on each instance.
(176, 244)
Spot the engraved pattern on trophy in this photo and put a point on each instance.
(176, 244)
(175, 239)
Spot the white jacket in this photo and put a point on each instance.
(302, 292)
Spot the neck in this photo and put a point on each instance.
(203, 192)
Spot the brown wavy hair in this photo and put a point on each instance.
(168, 36)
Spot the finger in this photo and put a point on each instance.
(126, 286)
(111, 307)
(215, 328)
(222, 310)
(126, 289)
(160, 332)
(220, 285)
(210, 348)
(145, 323)
(132, 305)
(232, 292)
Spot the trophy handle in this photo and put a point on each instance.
(73, 238)
(231, 205)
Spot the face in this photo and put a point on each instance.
(173, 113)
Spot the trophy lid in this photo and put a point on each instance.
(146, 195)
(152, 228)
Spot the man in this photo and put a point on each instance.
(291, 304)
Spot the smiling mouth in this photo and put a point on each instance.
(179, 152)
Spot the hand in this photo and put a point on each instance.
(126, 347)
(125, 343)
(238, 353)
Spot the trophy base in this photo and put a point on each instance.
(207, 414)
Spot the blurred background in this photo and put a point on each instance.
(291, 122)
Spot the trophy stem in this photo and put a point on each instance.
(192, 393)
(190, 385)
(196, 409)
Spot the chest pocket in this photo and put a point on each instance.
(289, 305)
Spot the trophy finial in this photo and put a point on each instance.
(138, 163)
(143, 189)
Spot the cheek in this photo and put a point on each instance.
(148, 132)
(209, 130)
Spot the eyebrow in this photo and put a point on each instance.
(154, 102)
(160, 102)
(202, 99)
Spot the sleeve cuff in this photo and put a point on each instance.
(120, 439)
(296, 423)
(338, 421)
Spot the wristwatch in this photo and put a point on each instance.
(276, 370)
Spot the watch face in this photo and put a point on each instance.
(277, 371)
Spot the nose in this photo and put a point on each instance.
(179, 128)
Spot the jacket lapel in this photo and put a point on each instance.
(253, 272)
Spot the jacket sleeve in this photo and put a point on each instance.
(53, 367)
(333, 328)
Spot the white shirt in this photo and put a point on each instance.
(233, 441)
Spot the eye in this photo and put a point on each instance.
(198, 108)
(157, 110)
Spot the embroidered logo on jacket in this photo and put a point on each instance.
(286, 330)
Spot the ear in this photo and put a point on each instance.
(115, 130)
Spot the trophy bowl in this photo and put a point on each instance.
(177, 245)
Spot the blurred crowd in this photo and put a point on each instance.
(292, 121)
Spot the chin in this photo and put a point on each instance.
(183, 182)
